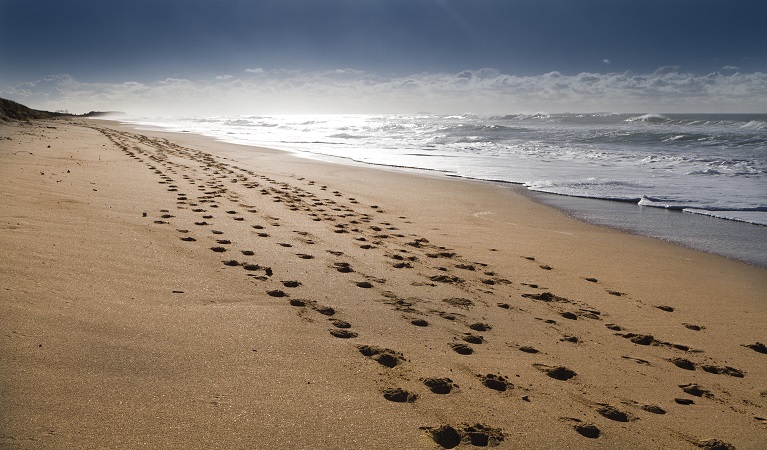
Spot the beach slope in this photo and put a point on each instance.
(171, 291)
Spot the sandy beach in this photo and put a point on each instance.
(171, 291)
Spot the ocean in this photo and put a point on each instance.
(708, 172)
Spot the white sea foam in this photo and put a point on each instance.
(712, 163)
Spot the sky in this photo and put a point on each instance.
(195, 57)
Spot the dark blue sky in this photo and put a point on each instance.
(404, 55)
(100, 40)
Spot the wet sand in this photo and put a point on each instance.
(170, 291)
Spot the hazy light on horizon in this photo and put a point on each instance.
(485, 91)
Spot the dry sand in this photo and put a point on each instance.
(170, 291)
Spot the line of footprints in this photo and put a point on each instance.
(228, 190)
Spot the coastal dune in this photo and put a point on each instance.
(171, 291)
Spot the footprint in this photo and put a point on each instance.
(473, 338)
(546, 297)
(479, 326)
(613, 413)
(440, 386)
(399, 395)
(338, 323)
(446, 279)
(757, 347)
(324, 310)
(529, 349)
(343, 333)
(384, 356)
(683, 363)
(478, 435)
(696, 390)
(653, 409)
(727, 370)
(714, 444)
(588, 430)
(558, 373)
(343, 267)
(461, 349)
(495, 382)
(463, 303)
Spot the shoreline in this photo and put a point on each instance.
(209, 294)
(737, 239)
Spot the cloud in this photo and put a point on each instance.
(481, 91)
(730, 68)
(606, 61)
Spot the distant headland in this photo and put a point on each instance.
(11, 111)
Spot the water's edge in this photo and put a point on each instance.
(736, 240)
